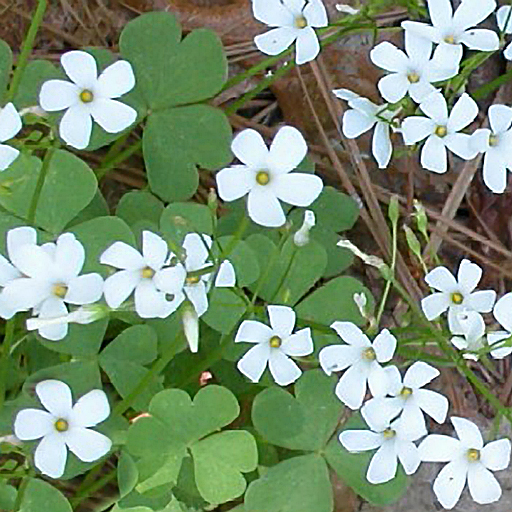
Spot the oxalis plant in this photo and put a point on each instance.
(179, 356)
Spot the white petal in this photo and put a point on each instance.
(171, 279)
(384, 345)
(500, 118)
(422, 89)
(351, 388)
(416, 128)
(481, 39)
(298, 344)
(276, 40)
(32, 261)
(69, 255)
(469, 275)
(55, 397)
(503, 311)
(441, 279)
(377, 380)
(250, 148)
(116, 80)
(24, 293)
(495, 172)
(432, 403)
(482, 300)
(420, 374)
(197, 250)
(76, 126)
(435, 107)
(283, 369)
(85, 289)
(124, 256)
(469, 15)
(394, 380)
(252, 331)
(438, 448)
(422, 30)
(440, 12)
(7, 271)
(32, 424)
(7, 156)
(10, 122)
(496, 455)
(53, 307)
(381, 145)
(480, 140)
(433, 155)
(338, 357)
(460, 144)
(112, 115)
(87, 445)
(468, 433)
(507, 53)
(450, 482)
(345, 94)
(379, 412)
(412, 422)
(198, 295)
(287, 150)
(297, 188)
(119, 286)
(234, 182)
(463, 113)
(58, 95)
(409, 456)
(254, 362)
(51, 455)
(360, 440)
(355, 123)
(91, 409)
(393, 87)
(149, 302)
(483, 486)
(503, 18)
(282, 320)
(226, 276)
(502, 352)
(316, 14)
(81, 68)
(383, 465)
(418, 49)
(387, 56)
(264, 208)
(351, 334)
(308, 46)
(18, 237)
(154, 250)
(272, 13)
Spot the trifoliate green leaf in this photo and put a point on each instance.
(40, 495)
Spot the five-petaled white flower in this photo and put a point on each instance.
(50, 280)
(408, 398)
(468, 459)
(275, 345)
(362, 116)
(362, 358)
(158, 288)
(441, 130)
(64, 425)
(503, 314)
(456, 295)
(496, 144)
(394, 444)
(295, 21)
(504, 20)
(411, 72)
(266, 175)
(10, 125)
(196, 257)
(89, 96)
(452, 30)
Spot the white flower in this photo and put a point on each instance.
(472, 334)
(393, 443)
(301, 236)
(295, 21)
(197, 257)
(158, 288)
(51, 279)
(10, 125)
(410, 73)
(504, 20)
(503, 314)
(266, 175)
(452, 30)
(363, 116)
(89, 96)
(468, 459)
(274, 345)
(408, 398)
(496, 144)
(190, 322)
(362, 359)
(441, 130)
(64, 426)
(456, 295)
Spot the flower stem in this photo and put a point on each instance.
(39, 185)
(6, 355)
(110, 163)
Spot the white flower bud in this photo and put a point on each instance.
(361, 301)
(190, 322)
(346, 9)
(373, 261)
(82, 315)
(301, 237)
(36, 111)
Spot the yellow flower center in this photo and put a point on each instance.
(406, 392)
(86, 96)
(369, 354)
(457, 298)
(60, 290)
(61, 425)
(389, 433)
(449, 40)
(473, 455)
(262, 178)
(147, 273)
(413, 78)
(301, 22)
(275, 342)
(193, 280)
(441, 131)
(493, 140)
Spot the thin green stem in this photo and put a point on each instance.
(21, 492)
(285, 274)
(6, 356)
(109, 164)
(39, 185)
(91, 489)
(26, 49)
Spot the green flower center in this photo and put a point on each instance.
(413, 78)
(262, 178)
(60, 290)
(441, 131)
(406, 392)
(86, 96)
(301, 22)
(147, 273)
(449, 40)
(473, 455)
(389, 433)
(457, 298)
(369, 354)
(493, 140)
(275, 342)
(61, 425)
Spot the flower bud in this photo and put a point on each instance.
(190, 322)
(82, 315)
(373, 261)
(301, 237)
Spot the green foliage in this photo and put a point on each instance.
(7, 496)
(36, 73)
(225, 310)
(40, 495)
(137, 205)
(5, 68)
